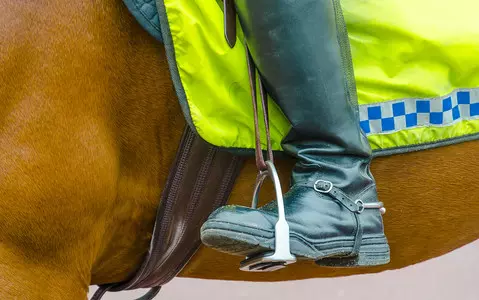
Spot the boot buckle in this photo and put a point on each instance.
(271, 261)
(323, 186)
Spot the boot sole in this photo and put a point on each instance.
(369, 255)
(234, 240)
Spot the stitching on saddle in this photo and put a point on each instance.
(137, 5)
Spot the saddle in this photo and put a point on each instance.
(146, 13)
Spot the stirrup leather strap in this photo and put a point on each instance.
(282, 255)
(260, 162)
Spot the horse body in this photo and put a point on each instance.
(89, 126)
(84, 149)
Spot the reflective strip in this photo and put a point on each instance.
(400, 50)
(393, 116)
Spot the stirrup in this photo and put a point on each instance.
(281, 257)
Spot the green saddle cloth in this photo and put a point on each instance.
(415, 65)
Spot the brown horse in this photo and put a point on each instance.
(89, 125)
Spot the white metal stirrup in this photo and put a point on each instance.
(282, 255)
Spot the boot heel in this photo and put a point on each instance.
(369, 255)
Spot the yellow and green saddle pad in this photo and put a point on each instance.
(416, 65)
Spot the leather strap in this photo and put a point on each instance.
(200, 181)
(358, 236)
(326, 187)
(260, 162)
(229, 12)
(148, 296)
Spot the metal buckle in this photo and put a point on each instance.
(360, 204)
(281, 257)
(320, 190)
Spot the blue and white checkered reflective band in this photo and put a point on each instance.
(396, 115)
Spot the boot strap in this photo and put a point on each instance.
(327, 187)
(355, 206)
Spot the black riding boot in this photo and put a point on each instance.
(302, 54)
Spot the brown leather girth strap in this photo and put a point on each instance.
(200, 181)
